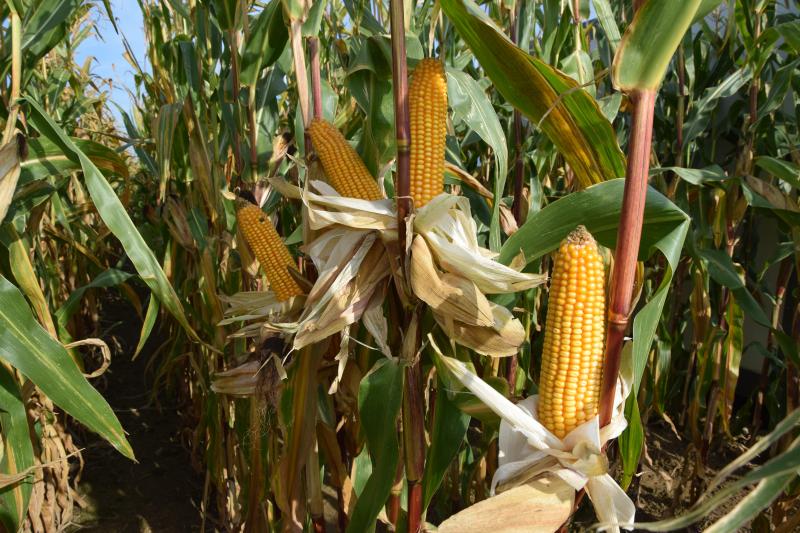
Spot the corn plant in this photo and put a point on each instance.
(400, 255)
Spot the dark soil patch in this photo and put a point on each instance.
(668, 483)
(160, 493)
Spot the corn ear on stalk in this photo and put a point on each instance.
(574, 337)
(345, 170)
(267, 246)
(427, 107)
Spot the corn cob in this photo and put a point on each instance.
(572, 357)
(427, 106)
(268, 248)
(345, 170)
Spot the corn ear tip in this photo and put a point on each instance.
(581, 236)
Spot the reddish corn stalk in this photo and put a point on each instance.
(402, 184)
(627, 249)
(413, 411)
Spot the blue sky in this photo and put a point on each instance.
(106, 47)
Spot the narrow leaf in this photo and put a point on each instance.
(42, 359)
(18, 452)
(113, 214)
(649, 42)
(379, 399)
(553, 101)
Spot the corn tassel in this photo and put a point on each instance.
(572, 357)
(268, 248)
(345, 170)
(427, 106)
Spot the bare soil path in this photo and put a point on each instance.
(161, 492)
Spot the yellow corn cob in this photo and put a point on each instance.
(427, 107)
(345, 170)
(268, 248)
(574, 338)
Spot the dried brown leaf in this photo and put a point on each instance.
(9, 174)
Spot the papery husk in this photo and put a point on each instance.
(340, 300)
(501, 339)
(266, 315)
(451, 233)
(448, 294)
(238, 381)
(326, 208)
(538, 506)
(250, 305)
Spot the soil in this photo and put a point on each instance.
(668, 485)
(159, 493)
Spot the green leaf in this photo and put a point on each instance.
(723, 271)
(606, 17)
(226, 11)
(44, 19)
(113, 214)
(649, 42)
(150, 318)
(706, 7)
(598, 208)
(268, 37)
(695, 176)
(313, 23)
(46, 158)
(379, 399)
(789, 31)
(784, 170)
(42, 359)
(700, 113)
(748, 507)
(18, 452)
(449, 429)
(470, 104)
(553, 101)
(109, 278)
(631, 441)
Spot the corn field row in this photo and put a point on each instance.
(437, 265)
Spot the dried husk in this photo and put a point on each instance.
(447, 294)
(501, 339)
(539, 506)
